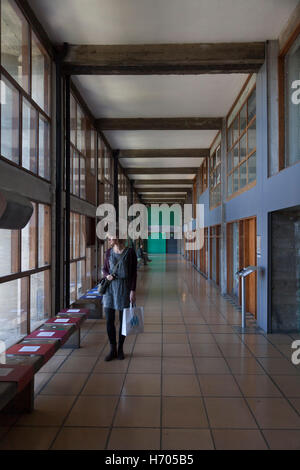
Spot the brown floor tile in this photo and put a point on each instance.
(146, 365)
(111, 367)
(197, 328)
(174, 328)
(180, 385)
(211, 365)
(234, 350)
(288, 384)
(220, 329)
(227, 338)
(257, 386)
(183, 412)
(92, 411)
(142, 384)
(176, 338)
(134, 439)
(264, 350)
(187, 439)
(219, 385)
(78, 364)
(229, 413)
(104, 384)
(147, 349)
(205, 350)
(40, 379)
(81, 439)
(178, 365)
(53, 364)
(152, 328)
(244, 365)
(205, 338)
(296, 403)
(174, 349)
(282, 439)
(149, 338)
(278, 366)
(241, 439)
(138, 412)
(65, 384)
(28, 438)
(274, 413)
(49, 410)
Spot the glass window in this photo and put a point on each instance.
(243, 147)
(44, 148)
(82, 178)
(252, 168)
(83, 236)
(29, 242)
(9, 249)
(73, 119)
(80, 278)
(41, 75)
(80, 130)
(243, 117)
(29, 137)
(252, 137)
(13, 310)
(243, 174)
(15, 43)
(39, 298)
(72, 282)
(9, 121)
(252, 105)
(44, 231)
(75, 173)
(292, 104)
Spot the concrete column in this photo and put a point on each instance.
(223, 257)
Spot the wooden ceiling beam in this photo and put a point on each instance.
(154, 59)
(140, 124)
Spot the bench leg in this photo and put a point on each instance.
(23, 402)
(74, 340)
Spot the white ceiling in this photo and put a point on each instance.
(162, 21)
(160, 162)
(160, 95)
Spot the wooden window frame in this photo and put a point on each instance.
(212, 172)
(236, 142)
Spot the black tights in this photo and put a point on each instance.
(110, 325)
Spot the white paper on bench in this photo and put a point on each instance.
(62, 320)
(5, 372)
(46, 334)
(91, 296)
(29, 349)
(74, 310)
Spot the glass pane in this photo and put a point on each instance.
(73, 119)
(100, 159)
(243, 117)
(82, 178)
(235, 128)
(236, 155)
(93, 152)
(252, 168)
(72, 282)
(80, 130)
(252, 105)
(9, 121)
(44, 235)
(39, 298)
(80, 278)
(83, 236)
(251, 137)
(75, 173)
(76, 236)
(229, 185)
(236, 180)
(29, 140)
(13, 310)
(41, 69)
(88, 268)
(292, 107)
(9, 252)
(243, 175)
(229, 138)
(229, 161)
(15, 43)
(44, 148)
(243, 147)
(28, 242)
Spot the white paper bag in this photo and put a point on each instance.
(133, 320)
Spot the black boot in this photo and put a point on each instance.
(113, 353)
(121, 352)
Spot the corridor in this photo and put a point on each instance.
(188, 382)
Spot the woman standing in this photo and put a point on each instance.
(121, 290)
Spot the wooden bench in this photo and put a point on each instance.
(27, 357)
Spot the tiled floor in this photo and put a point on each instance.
(188, 382)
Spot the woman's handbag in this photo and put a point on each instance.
(104, 283)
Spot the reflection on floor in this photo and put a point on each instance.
(188, 382)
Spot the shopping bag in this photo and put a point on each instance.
(133, 320)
